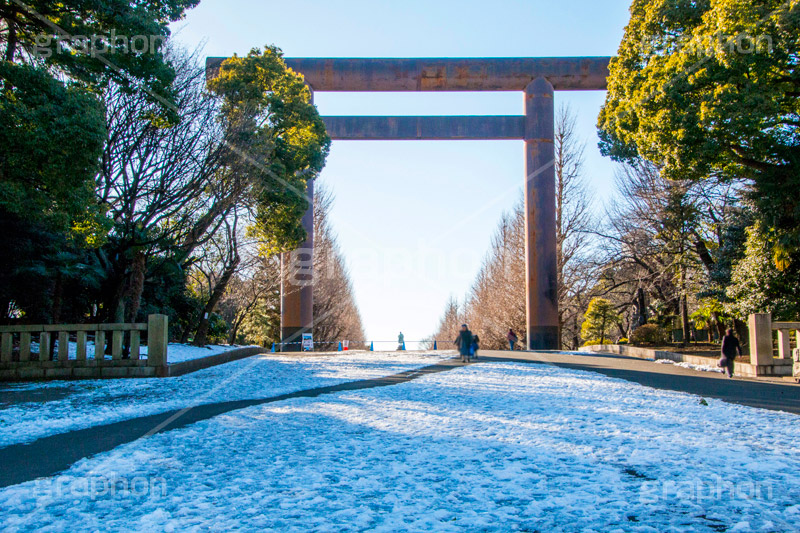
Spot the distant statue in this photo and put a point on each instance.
(401, 342)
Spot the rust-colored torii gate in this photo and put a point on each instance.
(537, 77)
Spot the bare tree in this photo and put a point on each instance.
(335, 310)
(574, 222)
(163, 185)
(496, 301)
(211, 273)
(448, 327)
(254, 289)
(659, 234)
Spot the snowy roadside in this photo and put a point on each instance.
(33, 410)
(490, 447)
(178, 353)
(690, 366)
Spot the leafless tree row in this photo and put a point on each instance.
(336, 315)
(496, 301)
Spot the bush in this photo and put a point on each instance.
(592, 342)
(623, 340)
(649, 334)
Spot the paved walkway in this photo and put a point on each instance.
(774, 395)
(50, 455)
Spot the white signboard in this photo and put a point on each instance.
(308, 342)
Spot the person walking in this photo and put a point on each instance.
(464, 343)
(730, 349)
(512, 339)
(475, 345)
(401, 342)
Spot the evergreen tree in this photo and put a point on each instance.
(711, 89)
(762, 282)
(95, 42)
(599, 321)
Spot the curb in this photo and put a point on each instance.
(193, 365)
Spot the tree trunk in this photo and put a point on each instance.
(641, 309)
(185, 333)
(719, 324)
(234, 330)
(11, 41)
(684, 304)
(112, 308)
(576, 341)
(135, 286)
(55, 311)
(216, 296)
(685, 320)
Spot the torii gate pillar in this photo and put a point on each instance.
(541, 277)
(297, 284)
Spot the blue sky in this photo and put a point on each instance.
(414, 218)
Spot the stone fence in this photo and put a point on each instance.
(762, 358)
(762, 329)
(58, 356)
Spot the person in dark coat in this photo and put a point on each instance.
(730, 349)
(512, 339)
(476, 343)
(464, 343)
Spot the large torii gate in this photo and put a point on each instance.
(536, 77)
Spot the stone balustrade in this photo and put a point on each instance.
(761, 330)
(62, 351)
(784, 337)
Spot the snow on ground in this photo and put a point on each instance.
(33, 410)
(690, 366)
(176, 353)
(488, 447)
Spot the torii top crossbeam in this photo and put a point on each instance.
(447, 74)
(439, 74)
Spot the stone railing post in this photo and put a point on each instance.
(796, 352)
(784, 343)
(760, 326)
(157, 336)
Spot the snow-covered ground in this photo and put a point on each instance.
(178, 353)
(33, 410)
(488, 447)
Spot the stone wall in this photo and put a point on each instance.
(777, 369)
